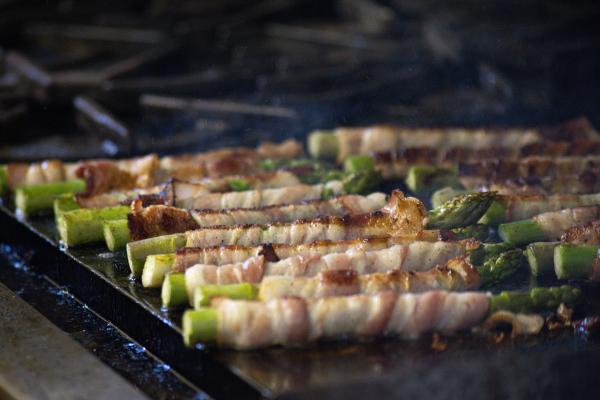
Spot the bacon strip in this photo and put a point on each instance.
(456, 274)
(337, 206)
(287, 321)
(556, 223)
(258, 198)
(519, 207)
(586, 234)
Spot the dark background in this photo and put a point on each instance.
(82, 78)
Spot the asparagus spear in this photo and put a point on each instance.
(37, 199)
(536, 300)
(239, 291)
(116, 234)
(425, 179)
(520, 233)
(488, 251)
(323, 144)
(540, 257)
(202, 324)
(173, 291)
(576, 261)
(461, 211)
(155, 269)
(138, 251)
(85, 225)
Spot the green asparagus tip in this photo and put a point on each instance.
(239, 291)
(535, 300)
(200, 326)
(461, 211)
(488, 251)
(499, 268)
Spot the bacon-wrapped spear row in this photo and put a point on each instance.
(343, 142)
(548, 226)
(101, 176)
(416, 266)
(401, 216)
(177, 192)
(396, 164)
(527, 175)
(244, 324)
(104, 175)
(157, 220)
(162, 220)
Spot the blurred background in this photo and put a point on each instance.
(120, 77)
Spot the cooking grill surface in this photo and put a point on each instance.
(384, 366)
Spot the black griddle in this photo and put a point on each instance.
(100, 80)
(552, 364)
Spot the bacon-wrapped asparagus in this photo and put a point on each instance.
(396, 164)
(414, 259)
(343, 142)
(184, 190)
(250, 324)
(548, 226)
(162, 220)
(457, 274)
(415, 256)
(188, 256)
(243, 324)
